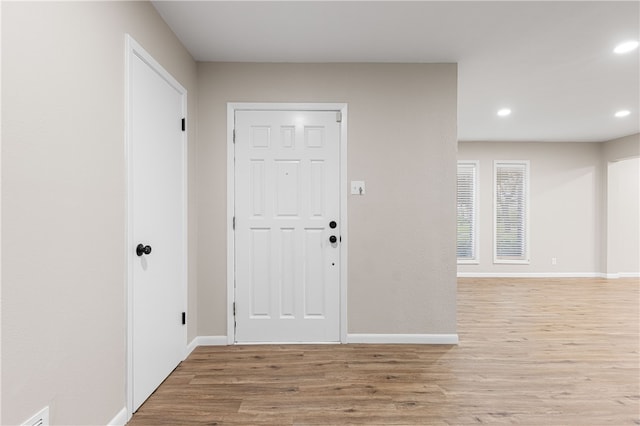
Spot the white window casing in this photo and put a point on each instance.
(467, 223)
(511, 212)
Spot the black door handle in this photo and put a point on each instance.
(333, 224)
(142, 249)
(332, 239)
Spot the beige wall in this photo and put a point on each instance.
(573, 216)
(619, 226)
(621, 148)
(63, 202)
(623, 194)
(402, 142)
(564, 205)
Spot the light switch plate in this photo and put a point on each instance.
(357, 187)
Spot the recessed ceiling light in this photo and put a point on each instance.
(622, 113)
(626, 47)
(504, 112)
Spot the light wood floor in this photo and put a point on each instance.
(532, 352)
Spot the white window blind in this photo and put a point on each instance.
(511, 211)
(467, 212)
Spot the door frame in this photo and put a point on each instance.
(232, 107)
(133, 49)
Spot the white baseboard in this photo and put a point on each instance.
(120, 419)
(206, 341)
(548, 275)
(428, 339)
(629, 274)
(615, 276)
(530, 275)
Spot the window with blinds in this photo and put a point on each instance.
(467, 212)
(511, 211)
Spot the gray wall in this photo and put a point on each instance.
(621, 148)
(568, 205)
(401, 141)
(623, 242)
(63, 202)
(620, 227)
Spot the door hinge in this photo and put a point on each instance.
(234, 223)
(338, 117)
(234, 309)
(184, 318)
(234, 135)
(184, 124)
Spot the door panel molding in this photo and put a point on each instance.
(232, 107)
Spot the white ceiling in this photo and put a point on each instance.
(551, 63)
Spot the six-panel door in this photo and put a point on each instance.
(287, 178)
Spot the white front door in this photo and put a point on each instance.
(287, 212)
(157, 252)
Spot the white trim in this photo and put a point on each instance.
(510, 262)
(429, 339)
(621, 275)
(191, 346)
(608, 276)
(533, 275)
(205, 341)
(286, 343)
(132, 48)
(344, 228)
(211, 340)
(232, 107)
(120, 419)
(628, 275)
(231, 207)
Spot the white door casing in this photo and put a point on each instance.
(288, 275)
(156, 185)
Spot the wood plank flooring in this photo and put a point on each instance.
(531, 352)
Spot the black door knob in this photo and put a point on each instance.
(333, 224)
(332, 239)
(142, 249)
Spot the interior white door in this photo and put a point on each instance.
(157, 209)
(287, 194)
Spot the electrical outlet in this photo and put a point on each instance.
(554, 260)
